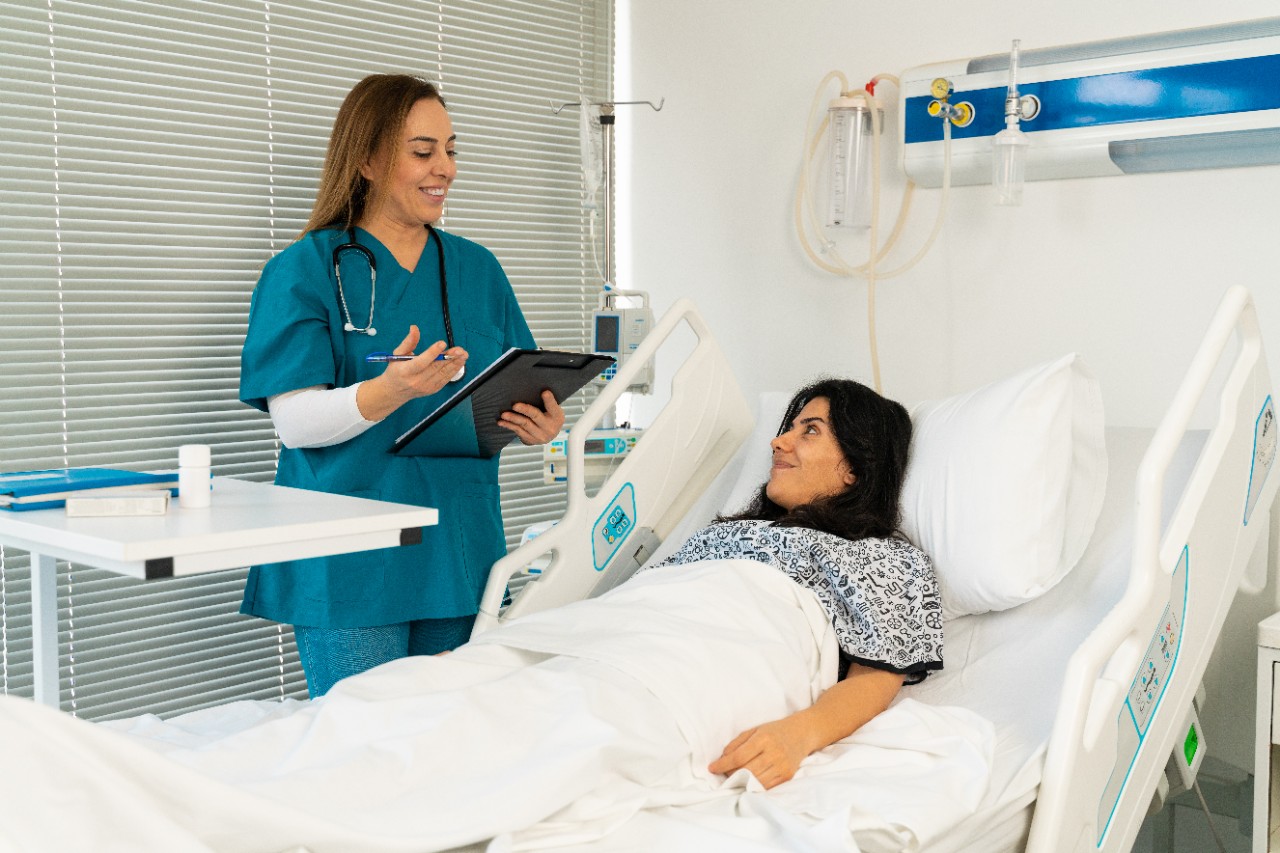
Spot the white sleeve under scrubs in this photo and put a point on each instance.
(296, 340)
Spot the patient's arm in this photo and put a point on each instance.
(773, 751)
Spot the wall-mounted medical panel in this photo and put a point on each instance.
(1192, 99)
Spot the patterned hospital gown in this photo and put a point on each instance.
(881, 594)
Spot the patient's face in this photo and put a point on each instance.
(807, 461)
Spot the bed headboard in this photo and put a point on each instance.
(604, 537)
(1126, 705)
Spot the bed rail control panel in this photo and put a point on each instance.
(1149, 683)
(618, 546)
(1145, 692)
(1264, 454)
(639, 547)
(613, 526)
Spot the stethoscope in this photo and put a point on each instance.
(367, 328)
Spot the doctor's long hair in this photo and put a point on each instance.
(874, 434)
(369, 121)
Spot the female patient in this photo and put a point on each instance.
(720, 662)
(827, 518)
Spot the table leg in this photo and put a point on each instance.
(44, 628)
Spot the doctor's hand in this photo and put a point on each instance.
(772, 752)
(403, 381)
(533, 425)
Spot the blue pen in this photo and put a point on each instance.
(384, 357)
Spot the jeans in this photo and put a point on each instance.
(331, 654)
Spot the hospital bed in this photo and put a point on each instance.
(1089, 686)
(1063, 700)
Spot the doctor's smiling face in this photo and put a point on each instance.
(808, 463)
(413, 190)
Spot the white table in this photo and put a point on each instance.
(247, 524)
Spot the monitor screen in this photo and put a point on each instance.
(607, 329)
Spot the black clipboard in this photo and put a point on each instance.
(518, 376)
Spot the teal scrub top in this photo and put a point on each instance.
(296, 340)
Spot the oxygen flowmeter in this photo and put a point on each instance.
(849, 158)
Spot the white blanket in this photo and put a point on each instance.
(588, 726)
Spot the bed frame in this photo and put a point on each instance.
(1127, 707)
(1126, 712)
(604, 537)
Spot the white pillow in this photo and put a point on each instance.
(1005, 485)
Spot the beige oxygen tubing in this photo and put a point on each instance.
(804, 205)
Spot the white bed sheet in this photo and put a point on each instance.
(552, 732)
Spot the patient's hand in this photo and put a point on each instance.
(772, 752)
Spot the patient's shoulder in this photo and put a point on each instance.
(892, 554)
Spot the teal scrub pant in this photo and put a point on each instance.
(329, 655)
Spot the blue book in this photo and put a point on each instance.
(24, 490)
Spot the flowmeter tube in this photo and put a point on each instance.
(848, 202)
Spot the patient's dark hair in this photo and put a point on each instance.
(874, 434)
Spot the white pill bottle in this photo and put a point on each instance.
(195, 479)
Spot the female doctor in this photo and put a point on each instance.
(370, 273)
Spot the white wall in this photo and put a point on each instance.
(1125, 270)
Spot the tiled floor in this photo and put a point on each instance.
(1187, 831)
(1182, 827)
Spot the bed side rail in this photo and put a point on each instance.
(1127, 695)
(603, 538)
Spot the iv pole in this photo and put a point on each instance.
(607, 120)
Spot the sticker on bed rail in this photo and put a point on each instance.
(1146, 692)
(1264, 454)
(613, 526)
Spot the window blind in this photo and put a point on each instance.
(154, 155)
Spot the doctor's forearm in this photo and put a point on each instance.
(421, 376)
(376, 398)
